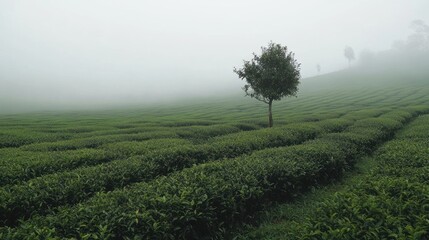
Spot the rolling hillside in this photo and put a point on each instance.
(201, 170)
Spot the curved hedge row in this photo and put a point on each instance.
(356, 115)
(30, 165)
(410, 150)
(20, 165)
(379, 208)
(92, 142)
(191, 132)
(391, 203)
(204, 200)
(205, 132)
(16, 168)
(41, 194)
(19, 138)
(35, 164)
(131, 130)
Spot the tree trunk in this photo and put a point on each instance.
(270, 114)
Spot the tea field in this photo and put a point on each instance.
(203, 170)
(387, 200)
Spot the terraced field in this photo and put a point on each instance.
(389, 201)
(200, 170)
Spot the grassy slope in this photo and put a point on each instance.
(328, 88)
(385, 197)
(285, 220)
(274, 222)
(334, 95)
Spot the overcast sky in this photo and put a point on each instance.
(102, 51)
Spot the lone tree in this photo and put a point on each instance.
(271, 76)
(349, 54)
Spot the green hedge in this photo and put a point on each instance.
(34, 164)
(365, 113)
(17, 138)
(132, 130)
(418, 130)
(205, 132)
(379, 208)
(203, 200)
(410, 150)
(391, 203)
(188, 123)
(160, 158)
(40, 193)
(25, 165)
(197, 201)
(101, 138)
(93, 142)
(130, 148)
(18, 168)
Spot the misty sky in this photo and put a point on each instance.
(102, 51)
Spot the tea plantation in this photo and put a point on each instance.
(388, 201)
(204, 170)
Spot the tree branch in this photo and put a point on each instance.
(262, 100)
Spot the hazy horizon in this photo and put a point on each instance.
(58, 54)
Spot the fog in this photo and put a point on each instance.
(68, 54)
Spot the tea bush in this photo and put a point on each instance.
(392, 202)
(20, 138)
(159, 158)
(93, 142)
(207, 198)
(31, 165)
(205, 132)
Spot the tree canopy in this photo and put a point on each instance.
(349, 54)
(270, 76)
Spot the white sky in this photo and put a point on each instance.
(103, 51)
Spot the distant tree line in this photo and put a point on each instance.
(418, 41)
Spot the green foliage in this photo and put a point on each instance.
(158, 157)
(127, 149)
(192, 171)
(334, 125)
(272, 75)
(199, 200)
(188, 123)
(355, 115)
(20, 138)
(207, 198)
(205, 132)
(380, 208)
(33, 164)
(93, 142)
(42, 193)
(391, 202)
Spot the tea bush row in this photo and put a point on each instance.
(391, 203)
(19, 203)
(31, 165)
(19, 138)
(192, 132)
(26, 165)
(206, 132)
(34, 164)
(40, 193)
(410, 150)
(204, 200)
(17, 168)
(43, 193)
(93, 142)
